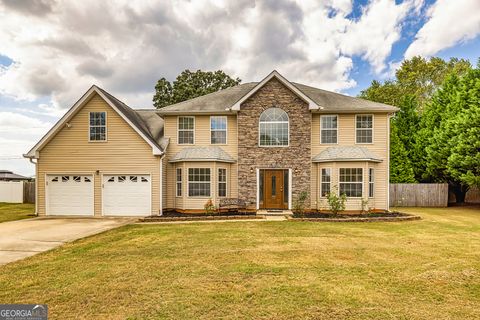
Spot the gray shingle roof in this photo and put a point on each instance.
(221, 100)
(147, 121)
(332, 101)
(212, 102)
(9, 175)
(202, 154)
(347, 153)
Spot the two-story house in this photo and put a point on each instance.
(264, 143)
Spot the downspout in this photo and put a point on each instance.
(36, 184)
(161, 185)
(388, 160)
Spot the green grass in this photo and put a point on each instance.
(16, 211)
(426, 269)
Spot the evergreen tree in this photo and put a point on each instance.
(401, 170)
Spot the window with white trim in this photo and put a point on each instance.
(364, 128)
(351, 182)
(186, 130)
(371, 182)
(222, 182)
(328, 129)
(326, 179)
(199, 182)
(179, 182)
(218, 130)
(273, 128)
(98, 126)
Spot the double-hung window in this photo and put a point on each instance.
(186, 130)
(179, 182)
(326, 179)
(199, 182)
(371, 182)
(364, 128)
(98, 126)
(351, 182)
(328, 129)
(218, 130)
(222, 182)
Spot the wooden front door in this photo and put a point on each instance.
(273, 189)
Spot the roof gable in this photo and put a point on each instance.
(120, 108)
(312, 105)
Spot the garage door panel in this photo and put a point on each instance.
(69, 194)
(126, 195)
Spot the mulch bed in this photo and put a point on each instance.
(367, 217)
(179, 216)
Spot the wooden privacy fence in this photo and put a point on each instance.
(29, 192)
(418, 194)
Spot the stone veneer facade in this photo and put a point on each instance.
(297, 156)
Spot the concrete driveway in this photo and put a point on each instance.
(24, 238)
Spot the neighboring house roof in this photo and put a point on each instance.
(9, 175)
(141, 124)
(230, 99)
(202, 154)
(347, 153)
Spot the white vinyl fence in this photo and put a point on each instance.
(11, 191)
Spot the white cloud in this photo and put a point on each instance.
(374, 34)
(449, 22)
(61, 48)
(18, 133)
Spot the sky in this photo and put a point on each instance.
(51, 52)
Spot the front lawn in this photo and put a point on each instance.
(16, 211)
(426, 269)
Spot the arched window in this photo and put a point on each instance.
(273, 128)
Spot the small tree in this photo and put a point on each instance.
(335, 202)
(365, 206)
(209, 207)
(299, 202)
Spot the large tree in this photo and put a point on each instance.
(451, 134)
(417, 77)
(190, 85)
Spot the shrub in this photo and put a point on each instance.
(335, 202)
(299, 202)
(365, 206)
(209, 207)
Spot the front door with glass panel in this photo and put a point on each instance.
(275, 184)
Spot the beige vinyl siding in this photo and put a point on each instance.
(202, 139)
(346, 137)
(197, 203)
(124, 152)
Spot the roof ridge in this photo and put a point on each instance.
(112, 96)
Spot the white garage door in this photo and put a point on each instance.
(126, 195)
(70, 195)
